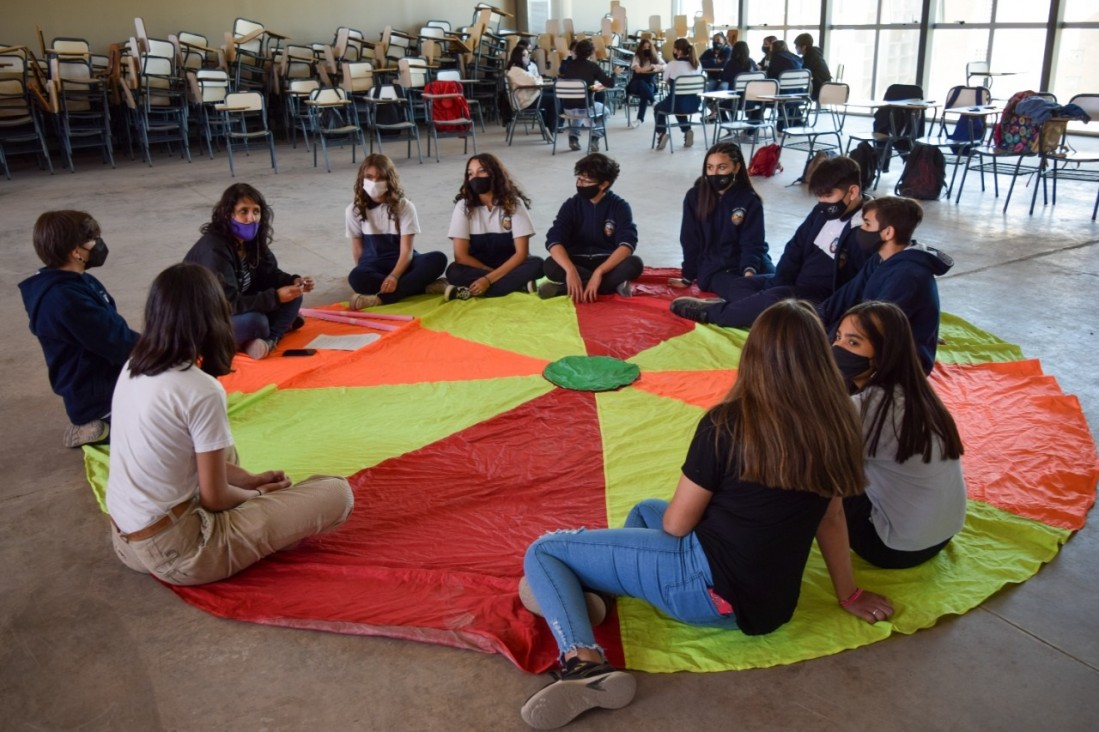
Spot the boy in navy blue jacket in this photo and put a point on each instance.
(899, 271)
(821, 257)
(592, 240)
(83, 337)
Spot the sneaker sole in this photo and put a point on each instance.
(562, 701)
(597, 606)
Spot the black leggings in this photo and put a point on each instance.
(868, 545)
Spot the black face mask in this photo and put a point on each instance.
(720, 182)
(717, 45)
(480, 185)
(97, 255)
(588, 192)
(850, 364)
(765, 50)
(868, 241)
(831, 211)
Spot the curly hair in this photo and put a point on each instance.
(505, 191)
(393, 194)
(223, 213)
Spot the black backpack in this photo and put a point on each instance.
(867, 158)
(924, 174)
(812, 163)
(389, 114)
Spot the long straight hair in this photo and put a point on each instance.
(186, 322)
(707, 198)
(684, 46)
(788, 417)
(897, 370)
(223, 212)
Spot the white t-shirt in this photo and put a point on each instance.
(680, 67)
(485, 220)
(158, 423)
(916, 505)
(378, 222)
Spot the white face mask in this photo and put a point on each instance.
(375, 188)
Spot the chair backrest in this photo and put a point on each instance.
(328, 95)
(358, 76)
(1088, 102)
(213, 85)
(795, 80)
(902, 91)
(571, 89)
(14, 104)
(412, 72)
(975, 67)
(742, 79)
(441, 24)
(834, 93)
(245, 101)
(243, 27)
(448, 75)
(298, 62)
(967, 96)
(304, 87)
(70, 45)
(757, 88)
(689, 84)
(158, 47)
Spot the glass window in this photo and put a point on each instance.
(1077, 59)
(854, 50)
(726, 12)
(802, 12)
(950, 50)
(766, 12)
(1022, 11)
(855, 12)
(953, 11)
(902, 11)
(1019, 51)
(1081, 11)
(898, 55)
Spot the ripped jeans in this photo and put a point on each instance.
(640, 560)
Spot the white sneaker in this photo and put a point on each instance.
(662, 141)
(358, 302)
(258, 348)
(625, 289)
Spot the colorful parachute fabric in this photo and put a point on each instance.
(460, 454)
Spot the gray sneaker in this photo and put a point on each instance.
(259, 348)
(358, 302)
(593, 145)
(625, 289)
(662, 141)
(88, 433)
(688, 138)
(574, 143)
(580, 686)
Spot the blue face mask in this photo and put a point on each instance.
(244, 232)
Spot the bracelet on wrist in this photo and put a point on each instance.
(854, 596)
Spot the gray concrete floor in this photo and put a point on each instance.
(87, 644)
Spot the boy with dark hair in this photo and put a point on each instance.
(592, 240)
(812, 58)
(582, 67)
(821, 256)
(84, 339)
(899, 270)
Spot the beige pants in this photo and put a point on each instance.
(204, 546)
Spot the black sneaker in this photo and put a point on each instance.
(298, 324)
(456, 292)
(550, 289)
(694, 308)
(574, 143)
(583, 685)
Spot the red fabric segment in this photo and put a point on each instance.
(700, 388)
(1019, 430)
(623, 327)
(434, 548)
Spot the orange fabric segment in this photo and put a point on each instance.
(698, 388)
(1020, 430)
(430, 356)
(249, 375)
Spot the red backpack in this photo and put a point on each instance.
(765, 161)
(451, 108)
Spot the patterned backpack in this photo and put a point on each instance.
(1015, 133)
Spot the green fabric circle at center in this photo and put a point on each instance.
(591, 373)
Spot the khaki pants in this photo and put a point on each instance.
(203, 546)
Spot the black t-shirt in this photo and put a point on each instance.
(756, 538)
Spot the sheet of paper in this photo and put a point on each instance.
(343, 343)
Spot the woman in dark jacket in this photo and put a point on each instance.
(236, 246)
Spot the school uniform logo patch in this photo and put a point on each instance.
(505, 223)
(737, 216)
(835, 245)
(608, 228)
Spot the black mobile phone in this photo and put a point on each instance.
(299, 352)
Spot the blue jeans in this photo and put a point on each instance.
(270, 326)
(640, 560)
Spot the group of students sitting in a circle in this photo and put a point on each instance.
(838, 438)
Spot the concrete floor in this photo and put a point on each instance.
(87, 644)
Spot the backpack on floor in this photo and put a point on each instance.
(765, 161)
(1016, 133)
(924, 174)
(867, 158)
(812, 163)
